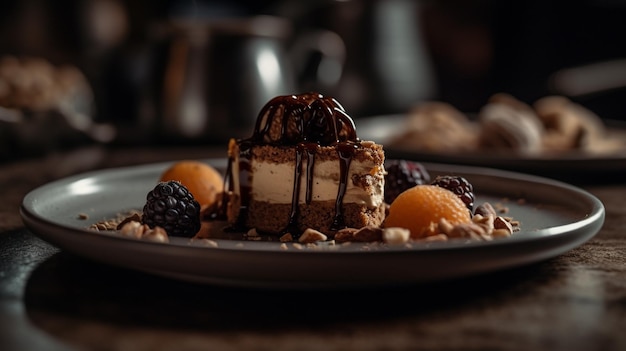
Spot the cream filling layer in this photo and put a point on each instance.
(273, 182)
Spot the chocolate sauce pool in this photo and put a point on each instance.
(306, 122)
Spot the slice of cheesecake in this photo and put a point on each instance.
(304, 167)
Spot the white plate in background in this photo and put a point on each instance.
(573, 165)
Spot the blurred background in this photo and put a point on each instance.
(123, 72)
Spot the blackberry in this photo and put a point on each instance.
(458, 185)
(402, 175)
(172, 207)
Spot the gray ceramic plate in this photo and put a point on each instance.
(555, 217)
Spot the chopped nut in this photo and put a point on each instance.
(485, 222)
(368, 234)
(485, 210)
(135, 217)
(83, 216)
(252, 232)
(503, 224)
(115, 223)
(467, 230)
(445, 226)
(286, 238)
(345, 235)
(436, 237)
(283, 246)
(311, 236)
(96, 227)
(104, 226)
(132, 229)
(396, 236)
(365, 234)
(500, 233)
(136, 230)
(157, 234)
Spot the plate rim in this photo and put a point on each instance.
(577, 232)
(598, 206)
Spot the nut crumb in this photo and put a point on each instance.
(117, 222)
(135, 217)
(501, 223)
(485, 209)
(136, 230)
(345, 235)
(311, 236)
(132, 230)
(369, 234)
(365, 234)
(286, 238)
(396, 236)
(157, 234)
(501, 233)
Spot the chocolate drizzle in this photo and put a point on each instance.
(306, 122)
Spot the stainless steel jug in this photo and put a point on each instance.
(218, 74)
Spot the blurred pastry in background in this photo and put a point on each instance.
(438, 127)
(45, 107)
(507, 123)
(552, 125)
(570, 126)
(35, 84)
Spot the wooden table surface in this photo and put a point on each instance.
(53, 300)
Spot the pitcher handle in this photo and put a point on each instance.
(318, 57)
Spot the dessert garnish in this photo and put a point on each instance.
(172, 207)
(459, 186)
(202, 180)
(402, 175)
(422, 207)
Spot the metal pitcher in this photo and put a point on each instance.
(218, 74)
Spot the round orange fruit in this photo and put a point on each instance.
(420, 208)
(203, 181)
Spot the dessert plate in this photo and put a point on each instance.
(555, 217)
(566, 166)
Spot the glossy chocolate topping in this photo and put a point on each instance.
(294, 119)
(305, 122)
